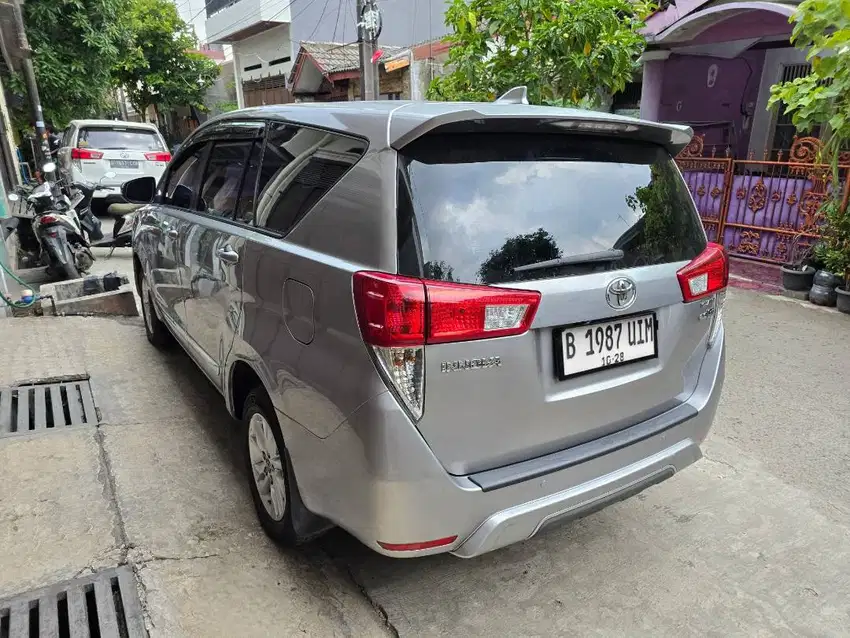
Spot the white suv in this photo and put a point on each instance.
(91, 148)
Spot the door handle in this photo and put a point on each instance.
(227, 255)
(173, 233)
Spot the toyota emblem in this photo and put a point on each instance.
(125, 155)
(621, 293)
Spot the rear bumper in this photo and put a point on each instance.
(381, 482)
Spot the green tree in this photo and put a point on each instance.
(74, 43)
(160, 68)
(822, 99)
(564, 51)
(520, 250)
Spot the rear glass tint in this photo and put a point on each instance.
(105, 139)
(491, 208)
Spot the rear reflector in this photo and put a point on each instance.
(402, 311)
(412, 547)
(85, 154)
(158, 157)
(707, 274)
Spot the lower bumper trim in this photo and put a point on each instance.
(534, 468)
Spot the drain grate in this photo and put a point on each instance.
(39, 406)
(103, 605)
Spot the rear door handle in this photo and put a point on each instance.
(227, 255)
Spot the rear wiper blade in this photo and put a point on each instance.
(601, 256)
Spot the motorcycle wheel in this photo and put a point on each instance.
(71, 271)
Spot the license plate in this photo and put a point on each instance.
(124, 163)
(605, 344)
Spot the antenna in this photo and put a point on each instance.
(516, 95)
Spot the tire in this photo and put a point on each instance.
(275, 513)
(156, 331)
(70, 271)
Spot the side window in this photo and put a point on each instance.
(68, 136)
(245, 206)
(299, 166)
(223, 178)
(182, 179)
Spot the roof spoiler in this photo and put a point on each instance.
(673, 137)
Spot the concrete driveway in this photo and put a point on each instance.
(753, 540)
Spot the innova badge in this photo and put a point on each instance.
(621, 293)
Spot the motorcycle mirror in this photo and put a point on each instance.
(13, 197)
(109, 175)
(49, 167)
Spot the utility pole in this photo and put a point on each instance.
(369, 24)
(42, 147)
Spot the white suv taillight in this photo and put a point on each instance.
(399, 315)
(707, 274)
(706, 278)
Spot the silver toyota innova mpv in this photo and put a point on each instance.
(443, 327)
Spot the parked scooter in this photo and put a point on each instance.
(122, 231)
(51, 234)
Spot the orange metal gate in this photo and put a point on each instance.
(755, 208)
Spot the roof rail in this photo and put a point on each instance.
(516, 95)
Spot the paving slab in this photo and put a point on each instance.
(177, 489)
(257, 591)
(54, 518)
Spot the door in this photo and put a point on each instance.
(215, 245)
(596, 228)
(170, 279)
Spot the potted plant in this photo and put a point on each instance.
(798, 273)
(834, 253)
(821, 100)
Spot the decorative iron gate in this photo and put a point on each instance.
(755, 208)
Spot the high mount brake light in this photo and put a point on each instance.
(85, 154)
(707, 274)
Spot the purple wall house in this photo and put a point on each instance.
(705, 66)
(716, 96)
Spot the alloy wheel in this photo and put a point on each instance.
(267, 466)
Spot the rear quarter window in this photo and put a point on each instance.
(487, 208)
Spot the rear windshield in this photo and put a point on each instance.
(486, 208)
(119, 139)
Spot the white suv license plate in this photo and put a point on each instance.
(605, 344)
(124, 163)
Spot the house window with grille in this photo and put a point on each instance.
(784, 130)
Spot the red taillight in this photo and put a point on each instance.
(85, 154)
(707, 274)
(458, 312)
(158, 157)
(48, 219)
(394, 310)
(390, 309)
(412, 547)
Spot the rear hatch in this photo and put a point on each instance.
(591, 241)
(127, 151)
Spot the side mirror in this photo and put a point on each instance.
(140, 190)
(49, 167)
(13, 197)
